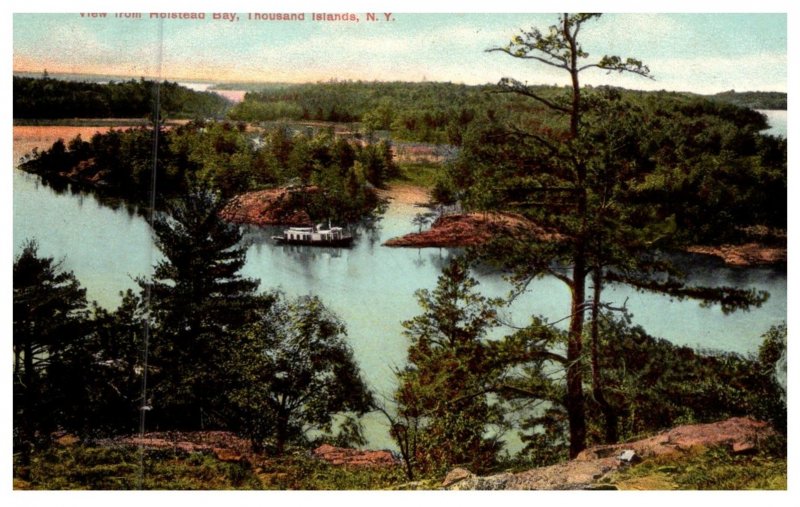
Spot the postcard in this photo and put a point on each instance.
(400, 251)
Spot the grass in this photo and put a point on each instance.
(99, 468)
(706, 469)
(80, 467)
(420, 174)
(299, 472)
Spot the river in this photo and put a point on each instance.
(371, 287)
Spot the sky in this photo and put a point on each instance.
(702, 53)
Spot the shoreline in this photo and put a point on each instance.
(472, 229)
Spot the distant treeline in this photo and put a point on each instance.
(753, 100)
(47, 98)
(423, 112)
(428, 111)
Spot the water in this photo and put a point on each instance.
(777, 122)
(371, 287)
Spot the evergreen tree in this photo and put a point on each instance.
(578, 180)
(49, 309)
(199, 300)
(101, 375)
(444, 413)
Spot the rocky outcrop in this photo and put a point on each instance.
(354, 457)
(225, 446)
(745, 255)
(275, 206)
(739, 434)
(572, 475)
(470, 229)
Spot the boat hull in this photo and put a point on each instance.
(339, 242)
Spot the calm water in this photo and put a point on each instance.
(369, 286)
(777, 122)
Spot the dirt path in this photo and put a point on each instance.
(401, 193)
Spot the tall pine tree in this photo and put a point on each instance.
(572, 164)
(198, 301)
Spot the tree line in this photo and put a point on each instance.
(48, 98)
(197, 347)
(438, 112)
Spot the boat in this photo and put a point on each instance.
(315, 236)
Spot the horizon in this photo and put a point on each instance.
(693, 53)
(96, 78)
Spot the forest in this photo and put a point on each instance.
(617, 182)
(50, 98)
(429, 111)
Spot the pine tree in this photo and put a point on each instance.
(577, 176)
(49, 315)
(198, 301)
(443, 407)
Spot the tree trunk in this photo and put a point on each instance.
(281, 430)
(576, 412)
(26, 430)
(574, 398)
(609, 413)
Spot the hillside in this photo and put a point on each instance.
(752, 100)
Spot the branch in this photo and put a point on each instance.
(510, 85)
(526, 56)
(615, 64)
(563, 278)
(730, 299)
(519, 390)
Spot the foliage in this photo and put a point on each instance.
(651, 385)
(49, 311)
(419, 174)
(297, 471)
(655, 385)
(424, 112)
(444, 413)
(117, 468)
(220, 355)
(604, 175)
(752, 100)
(54, 98)
(296, 372)
(198, 301)
(124, 468)
(430, 112)
(565, 185)
(101, 376)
